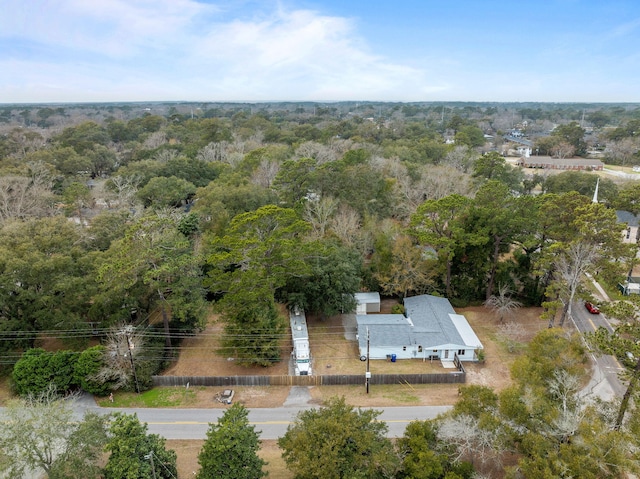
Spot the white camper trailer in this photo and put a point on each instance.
(301, 353)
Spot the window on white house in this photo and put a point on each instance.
(460, 352)
(404, 348)
(419, 349)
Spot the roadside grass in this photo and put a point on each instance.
(389, 394)
(159, 397)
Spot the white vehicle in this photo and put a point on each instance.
(301, 353)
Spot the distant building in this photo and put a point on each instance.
(632, 233)
(547, 162)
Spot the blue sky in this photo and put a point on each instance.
(266, 50)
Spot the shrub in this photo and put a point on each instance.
(86, 369)
(37, 368)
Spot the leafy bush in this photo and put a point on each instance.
(37, 368)
(87, 367)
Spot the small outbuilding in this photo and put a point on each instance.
(367, 303)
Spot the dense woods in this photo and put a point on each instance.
(118, 218)
(111, 212)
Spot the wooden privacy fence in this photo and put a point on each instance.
(456, 377)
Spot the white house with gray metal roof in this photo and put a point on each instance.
(429, 329)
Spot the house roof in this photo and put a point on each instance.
(627, 217)
(429, 321)
(467, 334)
(549, 161)
(365, 298)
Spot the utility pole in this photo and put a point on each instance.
(368, 374)
(127, 331)
(153, 467)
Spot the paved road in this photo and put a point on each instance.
(272, 422)
(605, 382)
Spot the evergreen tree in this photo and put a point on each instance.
(133, 450)
(338, 442)
(230, 450)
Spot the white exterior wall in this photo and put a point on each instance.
(443, 352)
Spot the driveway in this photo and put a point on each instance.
(350, 326)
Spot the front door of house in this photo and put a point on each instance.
(446, 354)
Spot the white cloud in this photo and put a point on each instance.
(304, 55)
(108, 27)
(182, 49)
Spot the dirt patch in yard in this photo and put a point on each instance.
(334, 354)
(495, 371)
(202, 355)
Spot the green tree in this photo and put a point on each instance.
(337, 441)
(155, 262)
(103, 161)
(46, 281)
(296, 179)
(162, 192)
(131, 447)
(77, 197)
(493, 166)
(596, 244)
(573, 134)
(40, 433)
(555, 428)
(106, 227)
(38, 370)
(252, 332)
(549, 350)
(628, 198)
(83, 137)
(582, 182)
(426, 457)
(495, 214)
(470, 135)
(599, 119)
(359, 185)
(231, 448)
(544, 420)
(86, 370)
(437, 224)
(227, 197)
(329, 287)
(259, 251)
(197, 172)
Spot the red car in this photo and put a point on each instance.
(592, 308)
